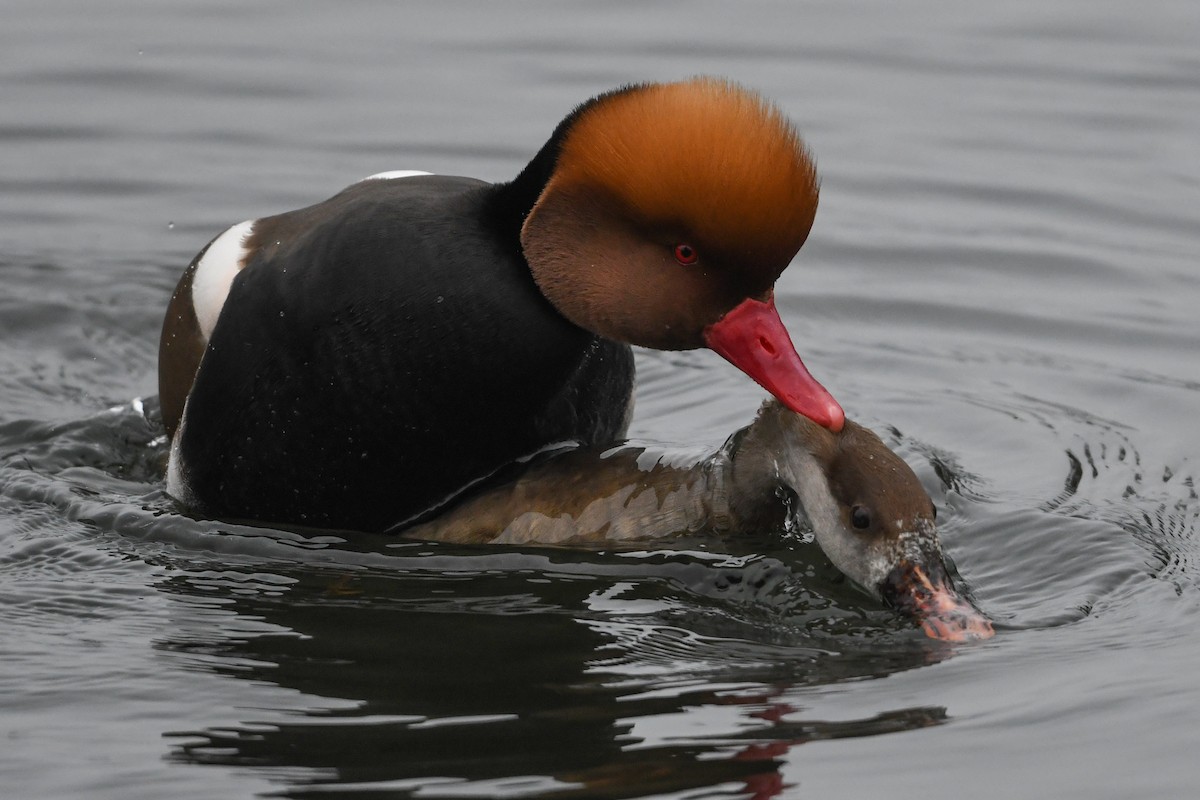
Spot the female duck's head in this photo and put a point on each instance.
(871, 516)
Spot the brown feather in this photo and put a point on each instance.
(706, 155)
(704, 163)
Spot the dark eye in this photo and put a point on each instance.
(686, 254)
(934, 512)
(860, 517)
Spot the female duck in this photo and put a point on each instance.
(359, 362)
(867, 509)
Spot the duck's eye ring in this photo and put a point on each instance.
(686, 255)
(860, 518)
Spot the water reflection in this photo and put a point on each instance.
(575, 666)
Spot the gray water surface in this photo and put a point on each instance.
(1002, 281)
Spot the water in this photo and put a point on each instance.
(1001, 280)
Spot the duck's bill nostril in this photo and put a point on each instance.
(927, 594)
(752, 338)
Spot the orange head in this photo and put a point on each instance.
(671, 206)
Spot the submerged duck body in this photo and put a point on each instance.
(866, 508)
(360, 362)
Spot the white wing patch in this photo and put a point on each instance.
(215, 273)
(396, 173)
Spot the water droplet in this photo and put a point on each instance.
(170, 226)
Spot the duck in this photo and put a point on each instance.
(366, 361)
(866, 508)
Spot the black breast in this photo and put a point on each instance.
(380, 352)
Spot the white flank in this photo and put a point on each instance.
(396, 173)
(176, 482)
(215, 274)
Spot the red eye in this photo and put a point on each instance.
(686, 254)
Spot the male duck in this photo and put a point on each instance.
(360, 362)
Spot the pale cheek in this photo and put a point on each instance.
(877, 566)
(842, 546)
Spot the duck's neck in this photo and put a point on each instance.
(775, 467)
(511, 202)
